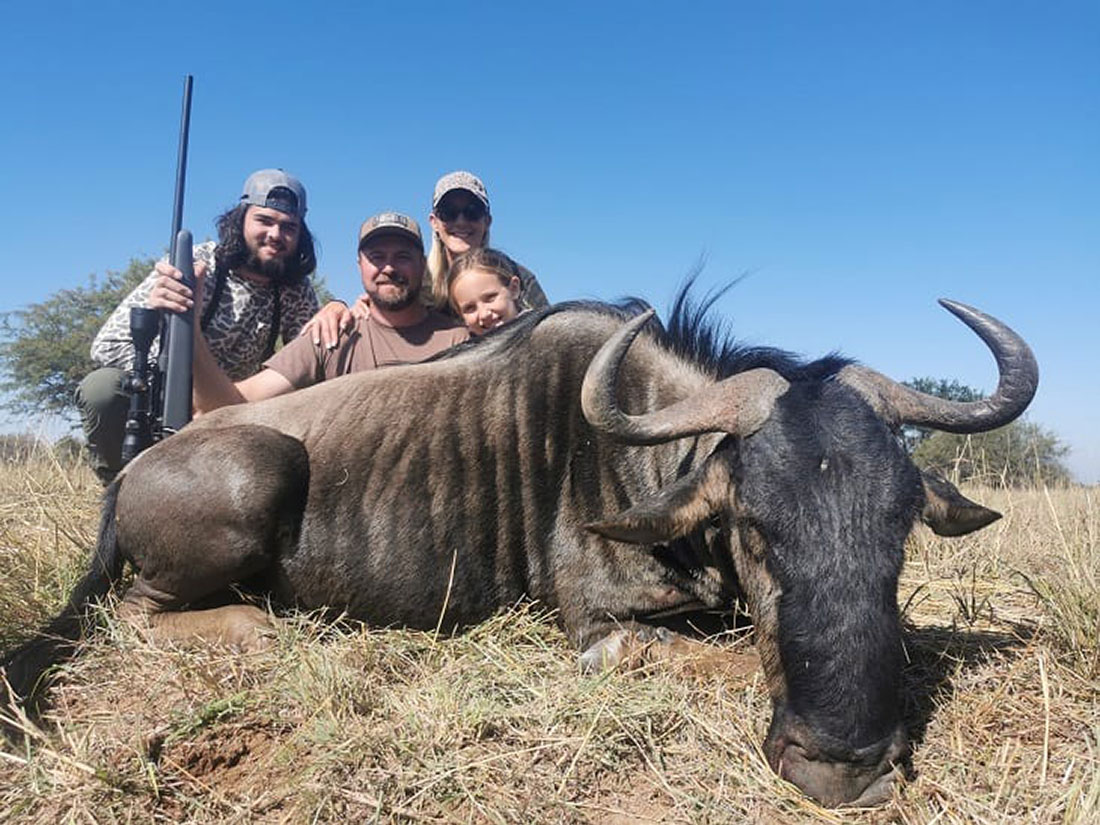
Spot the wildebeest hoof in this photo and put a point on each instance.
(666, 648)
(623, 645)
(606, 653)
(241, 627)
(878, 792)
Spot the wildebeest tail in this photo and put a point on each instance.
(25, 666)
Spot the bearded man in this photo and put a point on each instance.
(399, 328)
(260, 291)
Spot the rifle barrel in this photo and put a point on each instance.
(181, 166)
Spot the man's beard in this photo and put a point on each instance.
(281, 270)
(393, 303)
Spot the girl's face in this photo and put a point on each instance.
(461, 222)
(482, 301)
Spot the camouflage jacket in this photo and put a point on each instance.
(531, 294)
(239, 329)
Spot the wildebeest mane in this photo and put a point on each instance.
(697, 334)
(693, 332)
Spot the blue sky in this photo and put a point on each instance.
(857, 159)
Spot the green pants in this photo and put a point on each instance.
(103, 405)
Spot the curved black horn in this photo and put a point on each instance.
(739, 405)
(1019, 378)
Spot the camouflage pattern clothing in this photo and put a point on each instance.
(239, 330)
(531, 295)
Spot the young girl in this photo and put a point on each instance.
(483, 287)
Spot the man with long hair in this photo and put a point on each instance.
(258, 290)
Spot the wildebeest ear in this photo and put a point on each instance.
(675, 510)
(948, 512)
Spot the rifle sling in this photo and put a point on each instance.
(276, 315)
(276, 319)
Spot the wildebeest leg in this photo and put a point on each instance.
(157, 616)
(204, 510)
(610, 598)
(621, 645)
(605, 623)
(637, 644)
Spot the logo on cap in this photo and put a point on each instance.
(390, 223)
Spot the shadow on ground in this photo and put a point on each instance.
(937, 655)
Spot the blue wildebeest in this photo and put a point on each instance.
(608, 469)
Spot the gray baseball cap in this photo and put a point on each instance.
(460, 180)
(390, 223)
(261, 189)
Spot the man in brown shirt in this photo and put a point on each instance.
(399, 329)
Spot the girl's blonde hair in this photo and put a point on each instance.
(484, 257)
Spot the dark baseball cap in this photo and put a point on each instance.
(275, 189)
(390, 223)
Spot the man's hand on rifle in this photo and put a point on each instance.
(169, 291)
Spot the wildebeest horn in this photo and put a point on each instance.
(899, 404)
(738, 405)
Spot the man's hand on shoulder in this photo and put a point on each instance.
(361, 308)
(330, 322)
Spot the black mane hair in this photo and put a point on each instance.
(696, 334)
(693, 332)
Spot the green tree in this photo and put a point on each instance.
(950, 389)
(324, 295)
(44, 348)
(44, 351)
(1021, 453)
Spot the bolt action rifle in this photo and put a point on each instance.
(160, 395)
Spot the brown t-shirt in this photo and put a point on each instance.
(368, 346)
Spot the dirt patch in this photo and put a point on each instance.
(228, 758)
(633, 802)
(247, 769)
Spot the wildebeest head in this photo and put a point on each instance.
(816, 497)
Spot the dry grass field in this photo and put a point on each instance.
(339, 723)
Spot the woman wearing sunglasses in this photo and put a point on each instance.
(460, 222)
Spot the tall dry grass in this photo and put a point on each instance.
(340, 723)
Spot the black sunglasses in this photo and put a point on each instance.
(473, 211)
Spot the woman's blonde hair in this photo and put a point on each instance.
(439, 269)
(483, 257)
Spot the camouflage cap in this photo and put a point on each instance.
(275, 189)
(460, 180)
(390, 223)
